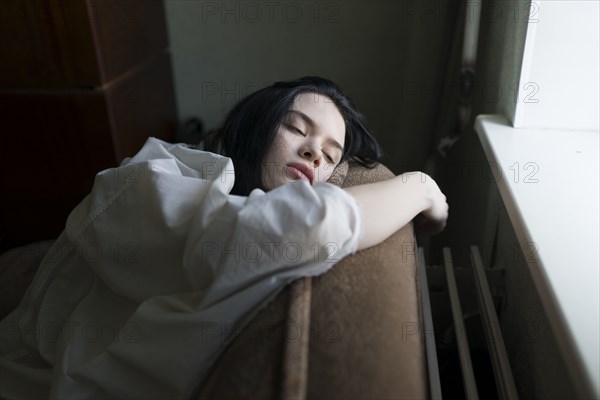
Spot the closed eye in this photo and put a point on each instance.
(294, 129)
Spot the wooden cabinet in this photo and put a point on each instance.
(82, 85)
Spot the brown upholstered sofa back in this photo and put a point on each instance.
(365, 338)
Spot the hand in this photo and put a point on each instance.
(433, 219)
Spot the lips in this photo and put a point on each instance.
(302, 171)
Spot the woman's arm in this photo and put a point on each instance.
(387, 206)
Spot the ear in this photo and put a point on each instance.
(339, 174)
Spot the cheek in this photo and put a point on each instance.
(280, 145)
(273, 150)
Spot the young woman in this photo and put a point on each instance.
(161, 264)
(309, 125)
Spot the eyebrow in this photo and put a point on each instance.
(312, 124)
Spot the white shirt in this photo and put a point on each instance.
(157, 269)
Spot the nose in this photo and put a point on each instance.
(312, 154)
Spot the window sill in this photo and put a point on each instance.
(549, 183)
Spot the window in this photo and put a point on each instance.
(559, 85)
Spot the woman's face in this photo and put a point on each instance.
(308, 145)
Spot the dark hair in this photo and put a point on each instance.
(250, 127)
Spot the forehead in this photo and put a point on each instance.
(325, 114)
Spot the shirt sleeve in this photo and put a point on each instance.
(164, 222)
(294, 230)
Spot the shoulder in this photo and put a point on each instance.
(183, 159)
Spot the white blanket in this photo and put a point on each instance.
(156, 271)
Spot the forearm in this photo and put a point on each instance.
(387, 206)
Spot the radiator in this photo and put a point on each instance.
(505, 385)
